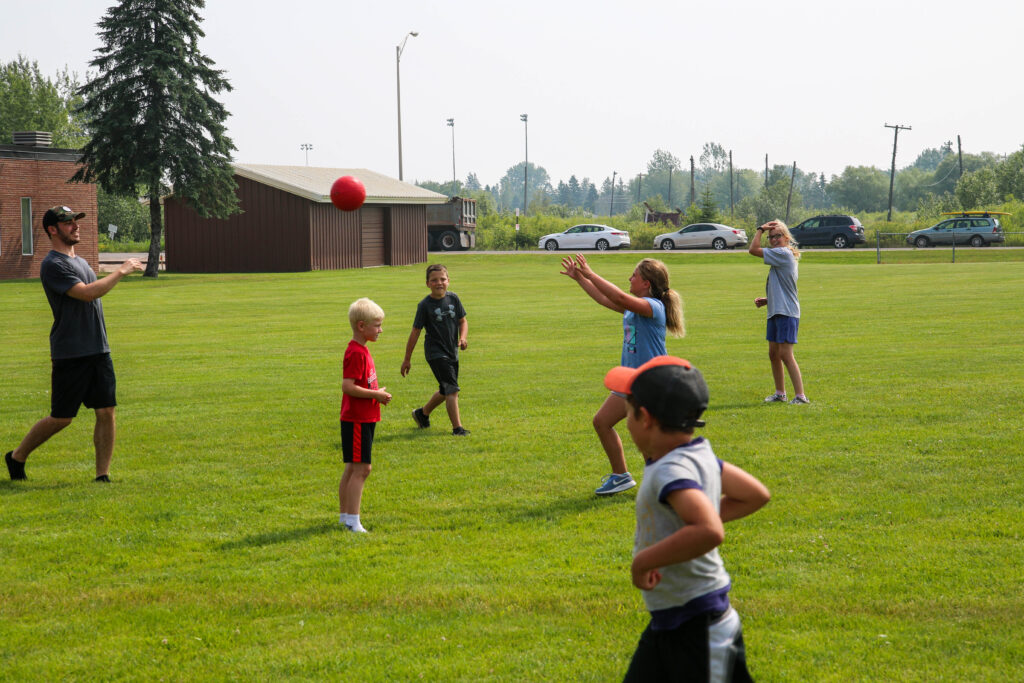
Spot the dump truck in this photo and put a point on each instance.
(451, 226)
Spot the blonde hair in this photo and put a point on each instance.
(364, 310)
(656, 273)
(791, 244)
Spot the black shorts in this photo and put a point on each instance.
(357, 441)
(446, 372)
(75, 381)
(705, 648)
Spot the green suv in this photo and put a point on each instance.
(976, 228)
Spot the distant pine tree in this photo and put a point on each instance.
(154, 121)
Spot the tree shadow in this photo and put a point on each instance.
(527, 512)
(281, 536)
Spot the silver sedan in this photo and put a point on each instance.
(702, 236)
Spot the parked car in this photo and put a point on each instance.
(588, 236)
(702, 236)
(839, 231)
(976, 228)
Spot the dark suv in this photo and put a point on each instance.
(839, 231)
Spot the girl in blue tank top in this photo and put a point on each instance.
(649, 310)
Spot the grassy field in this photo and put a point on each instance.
(892, 548)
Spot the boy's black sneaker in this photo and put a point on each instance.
(103, 478)
(422, 421)
(460, 431)
(14, 468)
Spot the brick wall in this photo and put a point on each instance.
(45, 182)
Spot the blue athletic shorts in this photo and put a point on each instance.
(357, 441)
(782, 329)
(76, 381)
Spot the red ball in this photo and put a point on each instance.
(348, 193)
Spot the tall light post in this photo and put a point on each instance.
(526, 163)
(398, 82)
(451, 124)
(305, 146)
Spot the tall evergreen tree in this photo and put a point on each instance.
(155, 122)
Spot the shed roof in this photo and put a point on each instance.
(314, 183)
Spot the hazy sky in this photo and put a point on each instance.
(604, 84)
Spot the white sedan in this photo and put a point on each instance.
(702, 236)
(598, 237)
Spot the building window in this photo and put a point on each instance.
(26, 226)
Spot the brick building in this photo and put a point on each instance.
(34, 177)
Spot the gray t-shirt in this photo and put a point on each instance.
(78, 327)
(781, 285)
(691, 466)
(440, 318)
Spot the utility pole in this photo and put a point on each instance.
(526, 163)
(451, 123)
(670, 188)
(693, 193)
(960, 153)
(766, 170)
(639, 182)
(792, 178)
(892, 172)
(611, 211)
(730, 186)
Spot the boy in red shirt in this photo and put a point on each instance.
(360, 408)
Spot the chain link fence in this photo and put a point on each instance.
(959, 240)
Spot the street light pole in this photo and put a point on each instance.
(451, 124)
(398, 83)
(526, 164)
(305, 146)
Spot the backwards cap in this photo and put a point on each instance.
(670, 388)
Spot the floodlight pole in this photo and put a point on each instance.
(526, 162)
(451, 124)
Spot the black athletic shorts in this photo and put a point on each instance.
(357, 441)
(446, 372)
(76, 381)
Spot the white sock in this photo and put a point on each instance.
(343, 518)
(354, 525)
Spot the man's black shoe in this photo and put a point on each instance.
(422, 421)
(103, 478)
(14, 468)
(460, 431)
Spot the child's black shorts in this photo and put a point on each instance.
(75, 381)
(357, 441)
(447, 374)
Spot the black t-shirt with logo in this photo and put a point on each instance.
(440, 318)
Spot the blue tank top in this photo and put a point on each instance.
(644, 338)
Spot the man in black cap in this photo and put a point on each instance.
(82, 372)
(685, 497)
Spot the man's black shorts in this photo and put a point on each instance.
(75, 381)
(446, 372)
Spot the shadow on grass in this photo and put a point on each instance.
(565, 507)
(282, 536)
(10, 488)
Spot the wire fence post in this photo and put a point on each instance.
(878, 246)
(954, 245)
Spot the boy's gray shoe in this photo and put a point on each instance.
(422, 421)
(775, 398)
(798, 400)
(14, 468)
(615, 483)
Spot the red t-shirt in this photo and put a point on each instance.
(358, 365)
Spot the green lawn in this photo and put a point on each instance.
(892, 548)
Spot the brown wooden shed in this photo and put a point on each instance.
(288, 224)
(34, 177)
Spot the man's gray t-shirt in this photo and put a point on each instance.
(781, 285)
(78, 327)
(440, 318)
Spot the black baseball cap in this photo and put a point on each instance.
(670, 388)
(61, 214)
